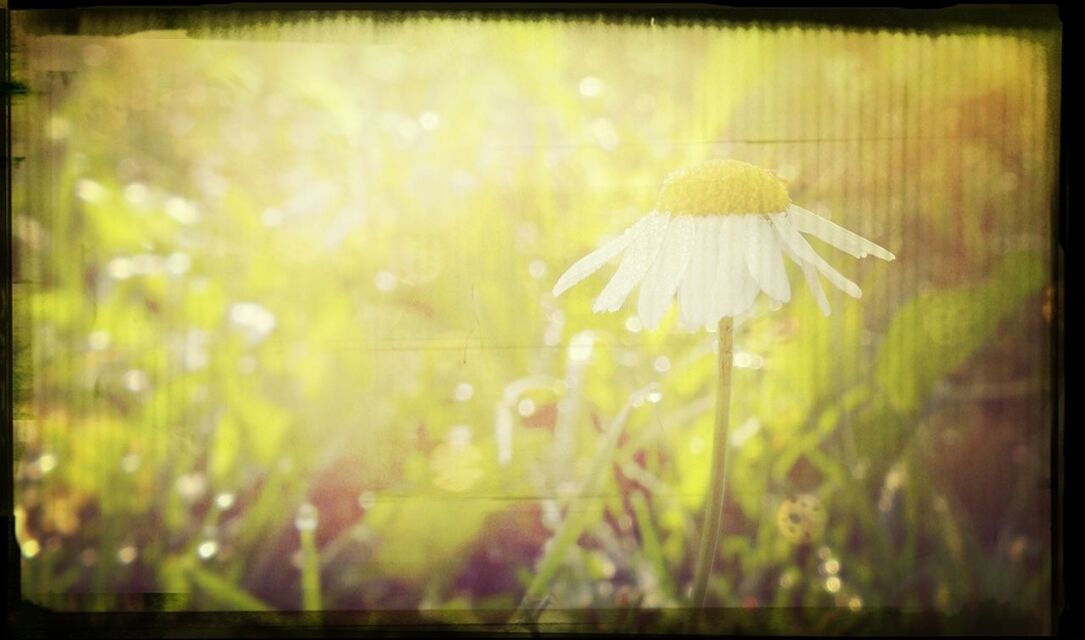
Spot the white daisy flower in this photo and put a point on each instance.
(716, 239)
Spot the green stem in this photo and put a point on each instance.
(310, 571)
(713, 513)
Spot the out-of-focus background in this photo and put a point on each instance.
(286, 337)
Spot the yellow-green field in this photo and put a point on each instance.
(286, 337)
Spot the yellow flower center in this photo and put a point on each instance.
(722, 186)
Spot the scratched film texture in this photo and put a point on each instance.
(286, 336)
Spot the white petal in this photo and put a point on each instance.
(659, 285)
(747, 291)
(834, 234)
(694, 294)
(635, 263)
(730, 267)
(765, 261)
(746, 298)
(808, 271)
(590, 263)
(815, 285)
(802, 248)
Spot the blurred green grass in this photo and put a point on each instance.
(264, 269)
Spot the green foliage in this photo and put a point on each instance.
(937, 332)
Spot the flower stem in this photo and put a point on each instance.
(310, 571)
(713, 512)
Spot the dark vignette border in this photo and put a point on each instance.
(146, 617)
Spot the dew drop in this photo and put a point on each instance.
(464, 391)
(207, 549)
(120, 269)
(429, 120)
(833, 584)
(47, 462)
(537, 269)
(367, 499)
(135, 380)
(191, 486)
(580, 346)
(88, 557)
(590, 86)
(90, 191)
(127, 555)
(177, 263)
(98, 340)
(130, 463)
(307, 517)
(30, 548)
(385, 281)
(271, 217)
(136, 194)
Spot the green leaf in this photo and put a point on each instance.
(937, 332)
(224, 593)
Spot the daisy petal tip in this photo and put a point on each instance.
(880, 252)
(563, 284)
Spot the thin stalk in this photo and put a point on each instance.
(310, 571)
(713, 513)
